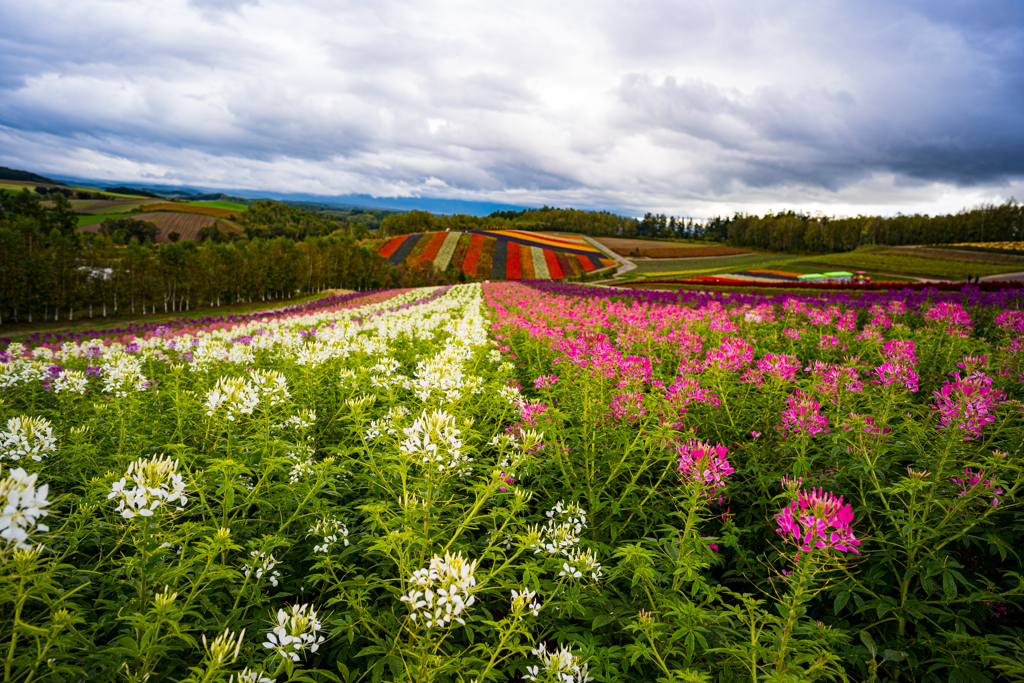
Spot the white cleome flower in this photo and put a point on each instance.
(250, 676)
(525, 600)
(234, 396)
(435, 441)
(148, 486)
(295, 631)
(71, 382)
(561, 534)
(561, 665)
(23, 505)
(442, 592)
(330, 531)
(123, 374)
(271, 385)
(27, 437)
(262, 564)
(581, 563)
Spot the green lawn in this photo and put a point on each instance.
(93, 220)
(659, 267)
(230, 206)
(127, 207)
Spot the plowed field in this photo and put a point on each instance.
(188, 225)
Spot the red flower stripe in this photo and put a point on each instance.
(585, 262)
(392, 246)
(554, 269)
(473, 254)
(433, 246)
(513, 266)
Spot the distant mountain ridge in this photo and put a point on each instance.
(346, 201)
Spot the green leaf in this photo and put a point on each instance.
(840, 602)
(396, 665)
(869, 643)
(948, 585)
(601, 620)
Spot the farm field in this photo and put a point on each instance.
(230, 206)
(963, 255)
(499, 254)
(100, 208)
(679, 266)
(86, 220)
(950, 268)
(187, 225)
(635, 243)
(182, 207)
(679, 252)
(1003, 246)
(607, 485)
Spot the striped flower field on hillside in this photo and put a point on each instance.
(499, 254)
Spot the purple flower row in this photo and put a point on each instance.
(140, 329)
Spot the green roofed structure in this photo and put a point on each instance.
(811, 276)
(839, 273)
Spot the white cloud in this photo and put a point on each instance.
(684, 108)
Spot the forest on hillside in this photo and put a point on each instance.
(49, 270)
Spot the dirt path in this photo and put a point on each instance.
(625, 265)
(1003, 277)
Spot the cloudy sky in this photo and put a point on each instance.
(681, 107)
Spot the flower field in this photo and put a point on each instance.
(1009, 246)
(513, 481)
(499, 254)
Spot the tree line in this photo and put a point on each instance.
(790, 231)
(50, 271)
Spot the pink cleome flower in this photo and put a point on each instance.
(899, 367)
(972, 479)
(953, 315)
(1011, 321)
(734, 353)
(818, 520)
(628, 406)
(803, 415)
(701, 462)
(967, 404)
(545, 381)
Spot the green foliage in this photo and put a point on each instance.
(268, 219)
(123, 230)
(792, 231)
